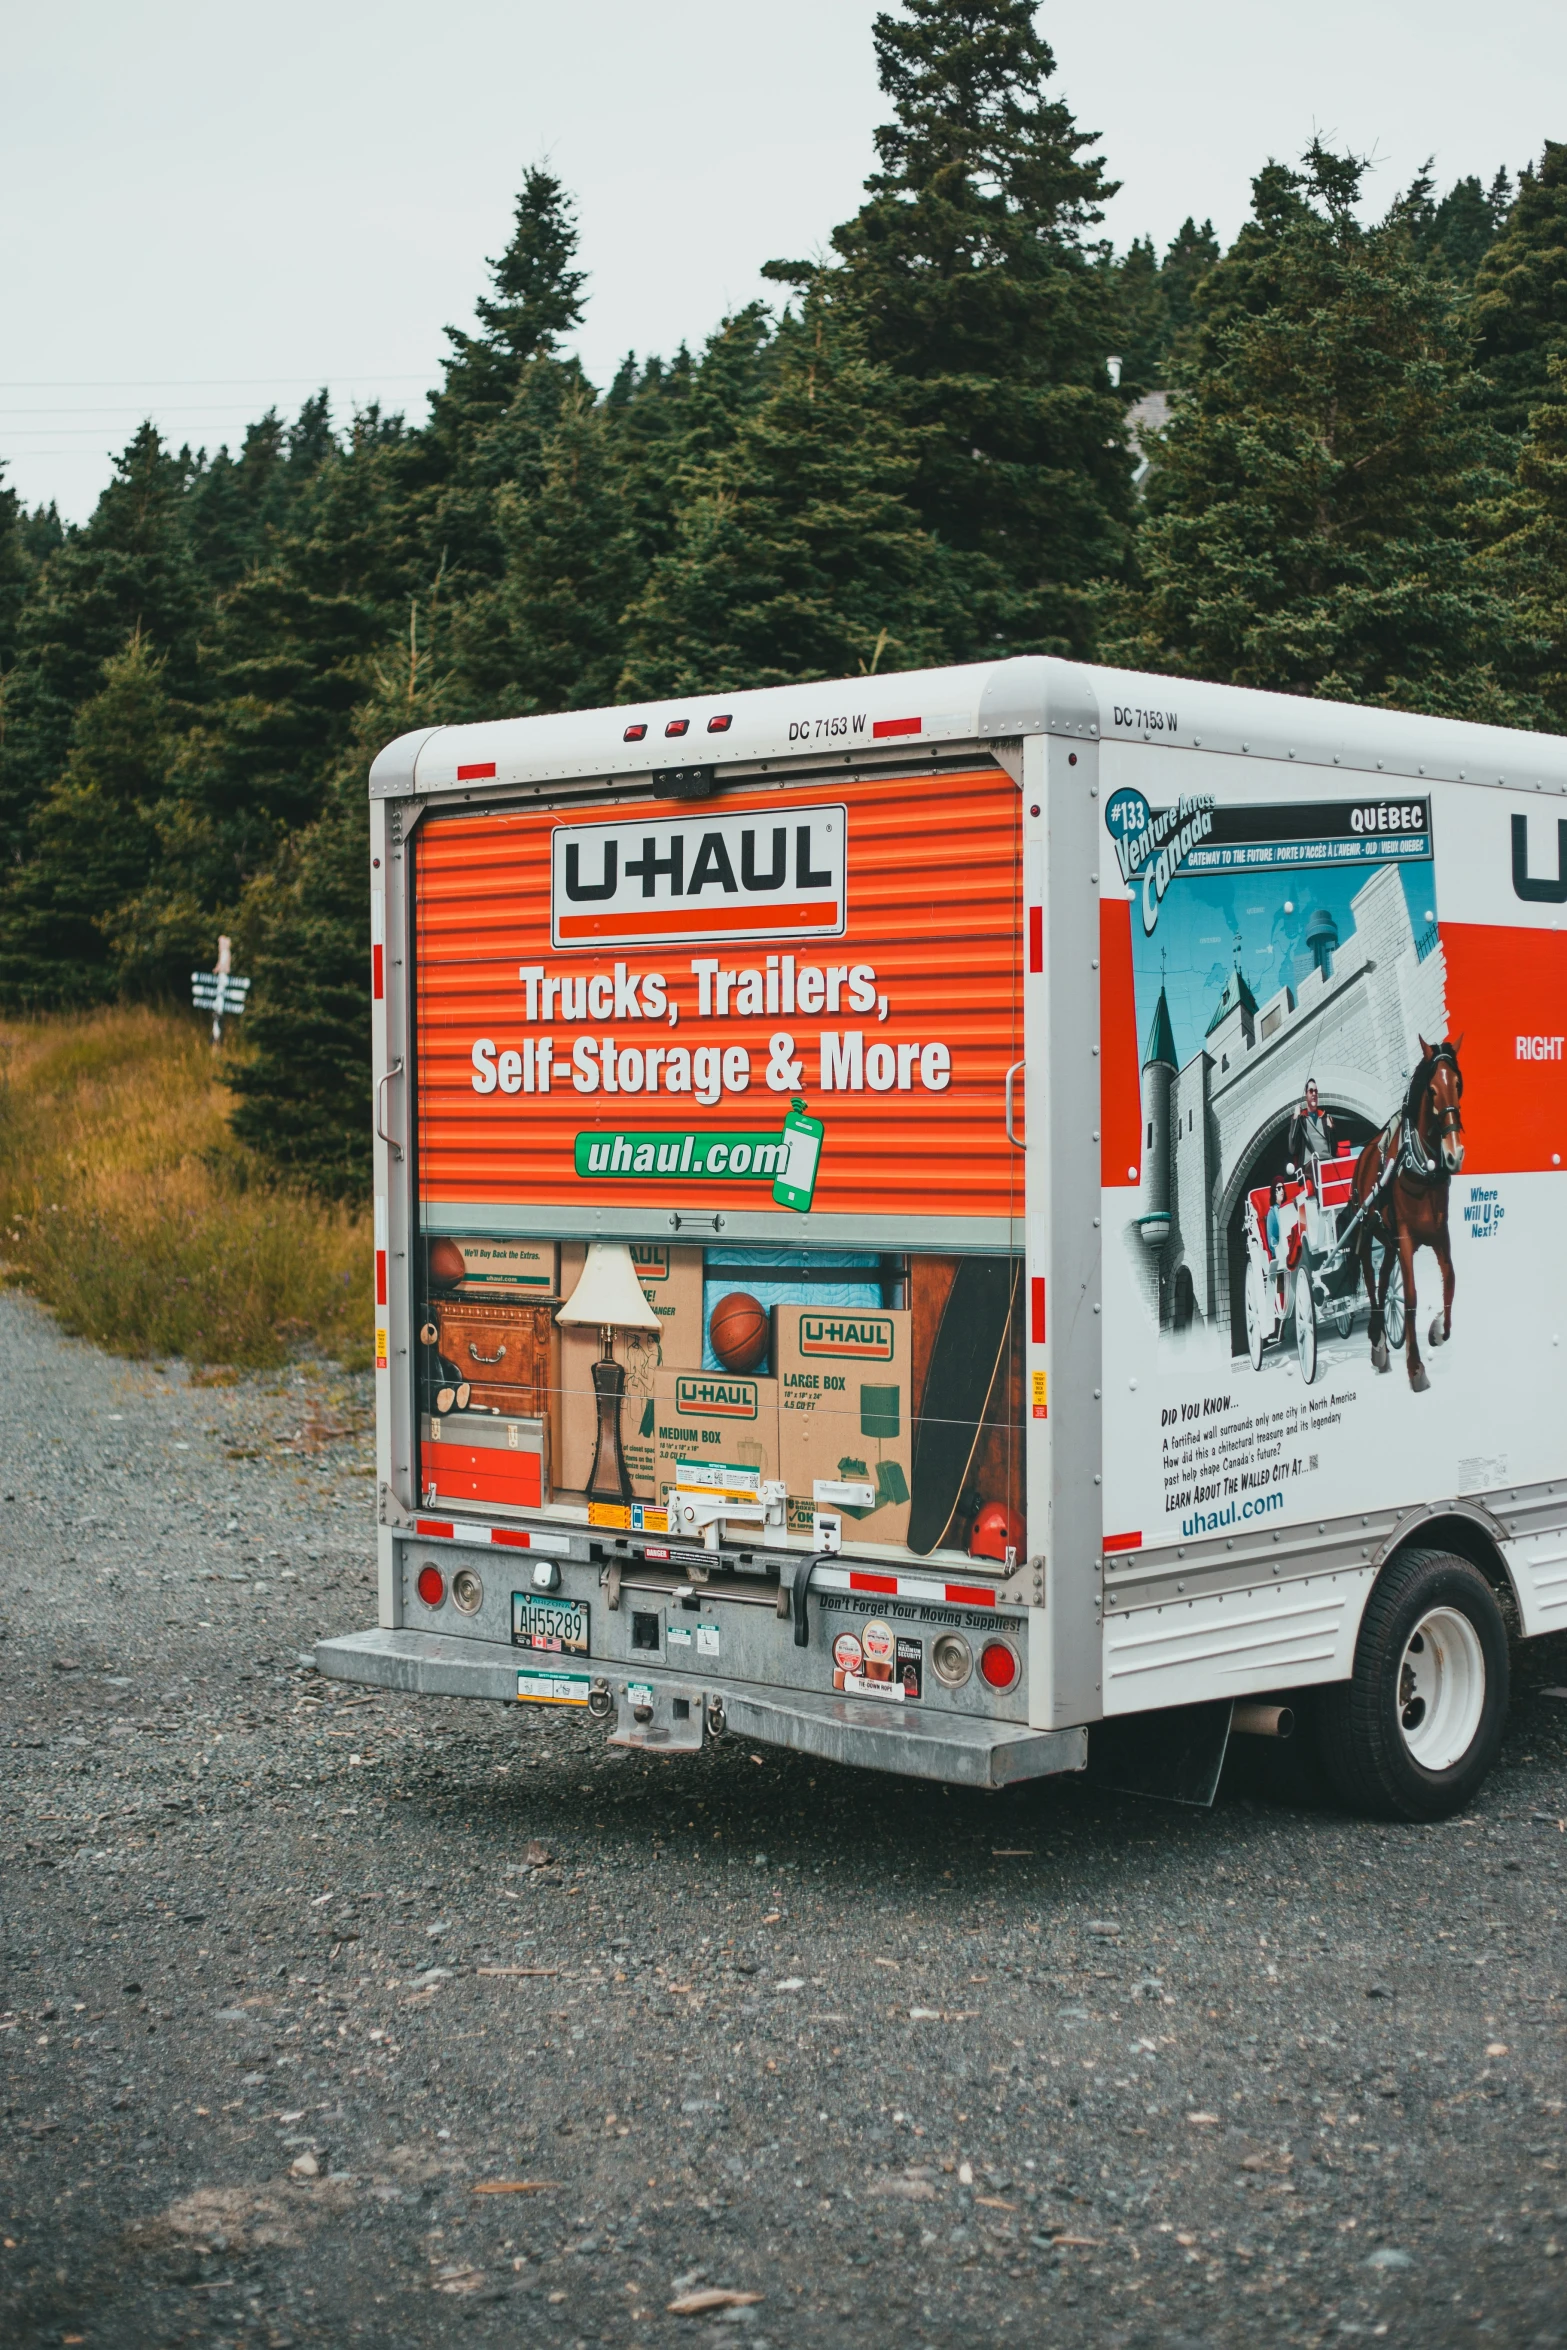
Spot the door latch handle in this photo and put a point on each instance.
(392, 1144)
(1011, 1130)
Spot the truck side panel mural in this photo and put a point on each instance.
(1350, 1095)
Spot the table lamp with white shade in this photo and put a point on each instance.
(608, 1297)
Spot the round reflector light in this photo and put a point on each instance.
(467, 1591)
(998, 1664)
(431, 1586)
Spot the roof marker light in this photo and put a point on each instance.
(634, 734)
(720, 725)
(678, 726)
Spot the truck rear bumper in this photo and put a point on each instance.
(960, 1749)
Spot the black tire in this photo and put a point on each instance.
(1365, 1748)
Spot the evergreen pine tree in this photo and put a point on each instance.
(129, 573)
(1140, 327)
(1520, 293)
(237, 505)
(1310, 501)
(645, 409)
(288, 658)
(800, 553)
(967, 276)
(1192, 253)
(304, 933)
(41, 532)
(537, 299)
(504, 387)
(1530, 553)
(16, 571)
(90, 842)
(550, 635)
(1154, 304)
(1457, 230)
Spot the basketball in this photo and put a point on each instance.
(738, 1329)
(446, 1263)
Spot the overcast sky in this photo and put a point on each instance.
(209, 208)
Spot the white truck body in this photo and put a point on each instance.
(1196, 900)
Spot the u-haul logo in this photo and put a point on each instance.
(867, 1337)
(651, 1262)
(716, 1399)
(772, 873)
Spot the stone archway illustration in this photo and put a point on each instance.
(1259, 1160)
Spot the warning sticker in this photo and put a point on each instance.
(534, 1688)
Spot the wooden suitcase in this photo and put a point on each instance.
(507, 1353)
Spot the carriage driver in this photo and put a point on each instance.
(1311, 1129)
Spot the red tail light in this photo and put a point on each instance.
(678, 726)
(634, 734)
(720, 725)
(431, 1586)
(998, 1664)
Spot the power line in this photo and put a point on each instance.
(191, 383)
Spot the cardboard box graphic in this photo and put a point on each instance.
(845, 1380)
(715, 1417)
(671, 1280)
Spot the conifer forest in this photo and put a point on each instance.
(1329, 460)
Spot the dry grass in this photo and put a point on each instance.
(128, 1206)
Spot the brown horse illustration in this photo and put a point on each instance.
(1401, 1182)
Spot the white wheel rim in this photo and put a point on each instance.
(1441, 1689)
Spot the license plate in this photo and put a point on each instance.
(559, 1626)
(536, 1687)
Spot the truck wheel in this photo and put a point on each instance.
(1415, 1731)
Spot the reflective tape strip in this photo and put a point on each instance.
(903, 1587)
(504, 1537)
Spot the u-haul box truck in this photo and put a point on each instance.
(920, 1216)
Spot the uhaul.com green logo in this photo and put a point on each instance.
(716, 1399)
(865, 1337)
(727, 1158)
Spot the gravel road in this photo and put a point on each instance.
(332, 2017)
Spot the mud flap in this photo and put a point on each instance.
(1173, 1756)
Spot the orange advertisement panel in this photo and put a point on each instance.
(770, 1001)
(1504, 986)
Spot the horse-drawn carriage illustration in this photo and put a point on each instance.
(1360, 1216)
(1303, 1261)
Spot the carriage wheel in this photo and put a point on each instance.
(1344, 1316)
(1254, 1314)
(1393, 1311)
(1305, 1322)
